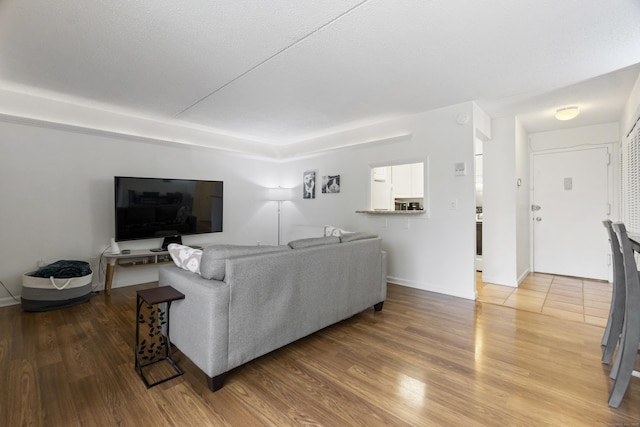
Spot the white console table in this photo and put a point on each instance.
(135, 258)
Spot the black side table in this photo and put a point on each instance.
(153, 346)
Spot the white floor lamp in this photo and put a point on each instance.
(279, 195)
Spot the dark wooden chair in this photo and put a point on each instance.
(630, 338)
(613, 329)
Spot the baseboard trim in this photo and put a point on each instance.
(498, 281)
(471, 295)
(8, 301)
(523, 276)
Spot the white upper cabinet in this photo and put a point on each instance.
(417, 179)
(401, 179)
(408, 180)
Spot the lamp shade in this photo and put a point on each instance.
(279, 194)
(567, 113)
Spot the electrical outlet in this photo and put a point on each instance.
(453, 204)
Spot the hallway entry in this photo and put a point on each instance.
(570, 198)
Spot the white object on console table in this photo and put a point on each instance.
(113, 259)
(147, 256)
(403, 212)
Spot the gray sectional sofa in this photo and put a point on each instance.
(267, 297)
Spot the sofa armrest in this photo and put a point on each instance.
(200, 322)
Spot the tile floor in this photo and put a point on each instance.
(570, 298)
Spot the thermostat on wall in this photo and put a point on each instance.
(460, 169)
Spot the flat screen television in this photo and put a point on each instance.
(147, 208)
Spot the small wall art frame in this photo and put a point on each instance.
(309, 184)
(331, 184)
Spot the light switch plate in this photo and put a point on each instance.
(460, 169)
(568, 183)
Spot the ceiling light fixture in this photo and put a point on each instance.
(567, 113)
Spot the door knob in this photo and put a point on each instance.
(538, 219)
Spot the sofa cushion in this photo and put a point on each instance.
(185, 257)
(358, 235)
(313, 241)
(214, 257)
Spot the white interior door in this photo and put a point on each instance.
(572, 191)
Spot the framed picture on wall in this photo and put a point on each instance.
(331, 184)
(309, 185)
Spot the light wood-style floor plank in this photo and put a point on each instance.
(426, 359)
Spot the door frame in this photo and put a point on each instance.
(614, 183)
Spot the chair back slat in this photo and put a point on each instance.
(615, 320)
(630, 338)
(628, 259)
(616, 254)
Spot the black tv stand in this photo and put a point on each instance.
(170, 239)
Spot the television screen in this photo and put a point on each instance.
(149, 208)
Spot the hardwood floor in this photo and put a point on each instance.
(426, 359)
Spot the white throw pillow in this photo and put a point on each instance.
(185, 257)
(330, 230)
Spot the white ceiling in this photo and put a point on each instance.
(283, 71)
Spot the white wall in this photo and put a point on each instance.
(56, 188)
(573, 137)
(499, 227)
(434, 252)
(56, 185)
(523, 206)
